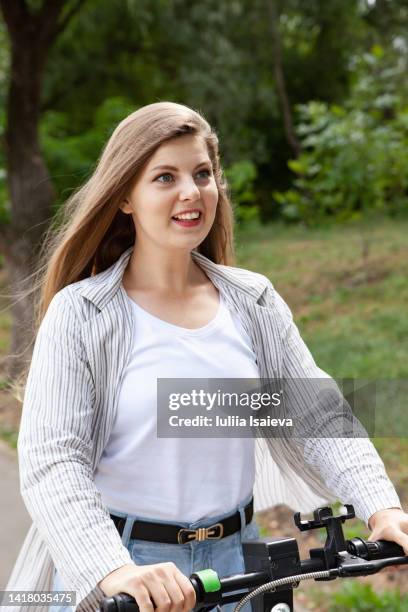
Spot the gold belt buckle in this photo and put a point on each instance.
(202, 533)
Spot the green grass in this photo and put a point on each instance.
(354, 329)
(353, 596)
(358, 597)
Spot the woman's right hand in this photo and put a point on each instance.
(169, 588)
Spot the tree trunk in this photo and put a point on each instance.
(279, 75)
(31, 192)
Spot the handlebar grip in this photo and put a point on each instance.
(123, 602)
(380, 549)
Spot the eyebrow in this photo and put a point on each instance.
(167, 167)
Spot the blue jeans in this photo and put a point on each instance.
(224, 556)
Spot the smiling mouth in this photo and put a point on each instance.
(193, 216)
(188, 220)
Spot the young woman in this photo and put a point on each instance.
(139, 285)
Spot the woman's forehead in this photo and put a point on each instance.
(189, 148)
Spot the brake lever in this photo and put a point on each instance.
(352, 566)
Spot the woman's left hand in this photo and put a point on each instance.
(390, 524)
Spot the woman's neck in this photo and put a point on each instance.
(163, 271)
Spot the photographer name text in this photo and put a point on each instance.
(228, 421)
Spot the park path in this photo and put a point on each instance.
(14, 518)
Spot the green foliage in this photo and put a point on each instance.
(241, 176)
(215, 57)
(355, 156)
(79, 152)
(360, 597)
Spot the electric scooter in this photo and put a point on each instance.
(273, 568)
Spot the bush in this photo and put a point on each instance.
(355, 157)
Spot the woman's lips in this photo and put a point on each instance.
(188, 222)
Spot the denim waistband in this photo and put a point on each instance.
(205, 522)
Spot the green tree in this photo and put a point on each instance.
(355, 157)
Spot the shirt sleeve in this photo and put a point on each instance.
(350, 466)
(55, 447)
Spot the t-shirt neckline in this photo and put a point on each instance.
(198, 331)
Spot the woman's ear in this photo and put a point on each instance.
(126, 207)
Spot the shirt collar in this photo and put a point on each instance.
(102, 287)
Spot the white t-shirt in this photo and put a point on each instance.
(176, 479)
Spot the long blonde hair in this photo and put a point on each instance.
(90, 231)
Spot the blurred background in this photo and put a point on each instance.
(310, 103)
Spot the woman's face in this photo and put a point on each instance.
(177, 180)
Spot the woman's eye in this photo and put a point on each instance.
(207, 172)
(159, 177)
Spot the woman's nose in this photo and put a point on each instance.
(189, 190)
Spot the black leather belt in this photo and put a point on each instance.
(176, 534)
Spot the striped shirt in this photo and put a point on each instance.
(71, 397)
